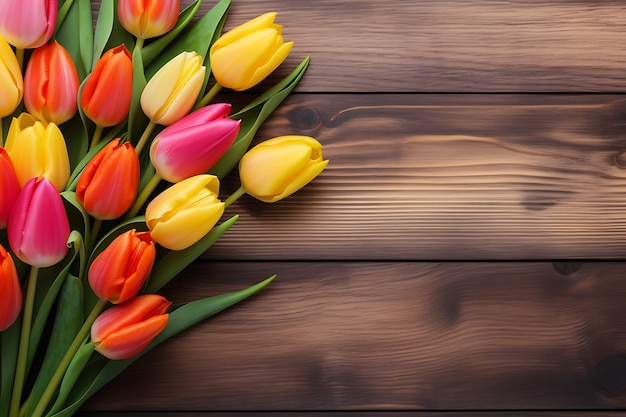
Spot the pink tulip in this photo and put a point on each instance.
(148, 18)
(10, 291)
(126, 329)
(28, 23)
(194, 143)
(38, 227)
(9, 188)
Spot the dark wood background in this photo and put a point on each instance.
(462, 253)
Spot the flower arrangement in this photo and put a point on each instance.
(91, 126)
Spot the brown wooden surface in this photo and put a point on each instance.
(462, 253)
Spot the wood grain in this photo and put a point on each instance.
(446, 177)
(391, 336)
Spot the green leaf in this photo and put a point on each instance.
(155, 47)
(67, 36)
(78, 363)
(99, 372)
(85, 30)
(104, 27)
(76, 139)
(67, 322)
(119, 35)
(8, 359)
(252, 117)
(198, 38)
(175, 261)
(136, 117)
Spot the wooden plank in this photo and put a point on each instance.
(391, 336)
(445, 177)
(452, 46)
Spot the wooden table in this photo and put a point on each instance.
(462, 254)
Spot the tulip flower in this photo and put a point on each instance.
(173, 90)
(108, 184)
(185, 212)
(193, 144)
(106, 93)
(38, 227)
(10, 290)
(9, 188)
(38, 149)
(148, 18)
(11, 81)
(28, 23)
(118, 273)
(276, 168)
(51, 84)
(126, 329)
(245, 55)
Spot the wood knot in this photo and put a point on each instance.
(566, 268)
(620, 160)
(305, 118)
(610, 375)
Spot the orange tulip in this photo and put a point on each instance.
(51, 84)
(106, 94)
(148, 18)
(10, 291)
(9, 188)
(118, 273)
(126, 329)
(108, 184)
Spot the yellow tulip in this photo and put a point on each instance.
(173, 90)
(38, 149)
(11, 80)
(277, 168)
(245, 55)
(182, 214)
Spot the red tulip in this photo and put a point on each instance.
(108, 184)
(10, 291)
(106, 94)
(28, 23)
(126, 329)
(9, 188)
(38, 227)
(118, 273)
(51, 84)
(148, 18)
(194, 143)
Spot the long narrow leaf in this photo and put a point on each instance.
(104, 26)
(184, 317)
(10, 343)
(253, 116)
(85, 29)
(175, 261)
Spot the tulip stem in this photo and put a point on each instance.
(144, 137)
(93, 238)
(97, 134)
(234, 196)
(20, 371)
(58, 375)
(143, 196)
(209, 95)
(19, 54)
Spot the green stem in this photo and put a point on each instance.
(97, 134)
(208, 96)
(93, 237)
(144, 137)
(19, 54)
(143, 196)
(20, 371)
(58, 375)
(234, 196)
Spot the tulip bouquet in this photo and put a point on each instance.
(112, 150)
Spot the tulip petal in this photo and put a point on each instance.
(131, 340)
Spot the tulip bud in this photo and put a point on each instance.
(278, 167)
(173, 90)
(108, 185)
(118, 273)
(38, 149)
(28, 23)
(107, 92)
(126, 329)
(38, 227)
(11, 81)
(51, 84)
(182, 214)
(10, 290)
(245, 55)
(193, 144)
(148, 18)
(9, 188)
